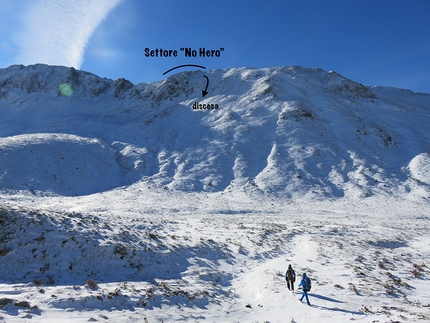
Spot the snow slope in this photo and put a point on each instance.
(121, 203)
(62, 164)
(289, 131)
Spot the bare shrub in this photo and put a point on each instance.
(367, 310)
(416, 273)
(22, 304)
(353, 288)
(381, 265)
(38, 282)
(91, 283)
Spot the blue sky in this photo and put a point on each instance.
(384, 42)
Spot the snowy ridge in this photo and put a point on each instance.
(292, 131)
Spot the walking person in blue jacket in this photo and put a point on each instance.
(306, 287)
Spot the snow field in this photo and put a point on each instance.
(208, 266)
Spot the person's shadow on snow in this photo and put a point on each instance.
(325, 298)
(329, 299)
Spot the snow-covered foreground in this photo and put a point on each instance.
(158, 255)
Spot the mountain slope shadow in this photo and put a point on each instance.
(57, 249)
(61, 164)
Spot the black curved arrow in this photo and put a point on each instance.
(204, 92)
(183, 66)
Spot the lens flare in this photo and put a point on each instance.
(66, 89)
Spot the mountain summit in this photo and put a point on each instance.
(289, 131)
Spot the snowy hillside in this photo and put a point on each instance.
(289, 131)
(122, 203)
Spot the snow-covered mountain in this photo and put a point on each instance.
(123, 203)
(292, 131)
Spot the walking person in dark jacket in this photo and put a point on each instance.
(290, 277)
(306, 287)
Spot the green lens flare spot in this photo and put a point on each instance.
(66, 89)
